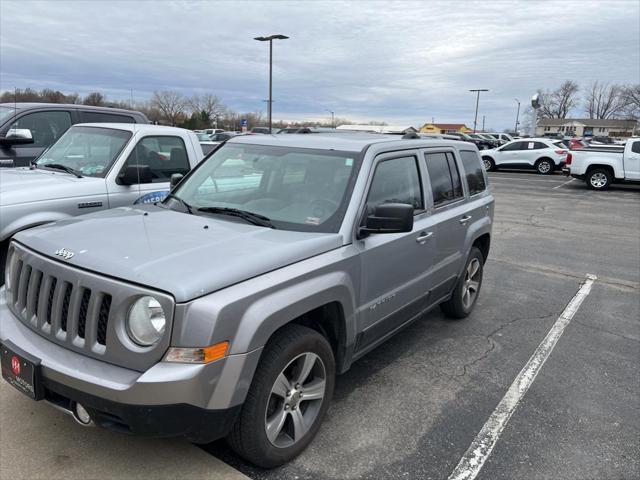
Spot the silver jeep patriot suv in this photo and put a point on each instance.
(228, 309)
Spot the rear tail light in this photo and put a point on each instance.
(561, 152)
(569, 158)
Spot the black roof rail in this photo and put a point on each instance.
(410, 136)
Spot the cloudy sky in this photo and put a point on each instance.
(399, 62)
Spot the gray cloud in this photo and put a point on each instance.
(402, 62)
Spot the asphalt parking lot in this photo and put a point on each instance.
(411, 408)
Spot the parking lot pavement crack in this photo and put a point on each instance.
(604, 330)
(466, 366)
(516, 320)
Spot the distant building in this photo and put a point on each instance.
(379, 128)
(442, 128)
(581, 127)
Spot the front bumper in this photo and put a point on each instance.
(168, 399)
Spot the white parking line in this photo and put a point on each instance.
(565, 183)
(472, 461)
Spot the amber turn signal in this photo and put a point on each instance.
(197, 355)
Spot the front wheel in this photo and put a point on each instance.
(599, 179)
(467, 289)
(288, 398)
(489, 164)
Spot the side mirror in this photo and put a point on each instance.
(175, 180)
(17, 136)
(389, 218)
(135, 174)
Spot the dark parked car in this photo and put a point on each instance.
(27, 129)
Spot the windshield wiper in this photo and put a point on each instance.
(186, 205)
(59, 166)
(250, 217)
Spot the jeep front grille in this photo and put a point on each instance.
(59, 307)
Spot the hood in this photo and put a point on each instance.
(22, 185)
(185, 255)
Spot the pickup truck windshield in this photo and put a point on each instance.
(87, 150)
(297, 189)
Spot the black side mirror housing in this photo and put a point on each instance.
(175, 180)
(135, 174)
(389, 218)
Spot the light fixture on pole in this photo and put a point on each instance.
(332, 122)
(515, 130)
(270, 39)
(475, 118)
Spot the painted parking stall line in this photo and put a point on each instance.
(478, 452)
(565, 183)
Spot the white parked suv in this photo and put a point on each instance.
(543, 154)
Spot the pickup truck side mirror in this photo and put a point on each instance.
(175, 180)
(135, 174)
(17, 136)
(388, 218)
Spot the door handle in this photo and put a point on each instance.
(423, 237)
(465, 219)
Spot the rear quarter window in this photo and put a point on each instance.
(473, 172)
(100, 117)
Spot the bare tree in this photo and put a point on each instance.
(96, 99)
(604, 101)
(559, 102)
(171, 103)
(208, 104)
(631, 100)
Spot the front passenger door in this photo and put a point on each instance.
(395, 267)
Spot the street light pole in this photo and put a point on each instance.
(475, 118)
(483, 123)
(332, 122)
(270, 39)
(515, 130)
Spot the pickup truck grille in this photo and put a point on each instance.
(79, 310)
(59, 307)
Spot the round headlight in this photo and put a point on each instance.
(146, 321)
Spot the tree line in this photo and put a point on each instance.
(596, 100)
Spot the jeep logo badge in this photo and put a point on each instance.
(64, 253)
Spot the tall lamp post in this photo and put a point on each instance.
(270, 39)
(332, 122)
(475, 118)
(515, 130)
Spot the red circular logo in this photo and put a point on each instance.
(15, 365)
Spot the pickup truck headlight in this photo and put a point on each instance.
(146, 321)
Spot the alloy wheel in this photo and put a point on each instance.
(487, 164)
(295, 400)
(544, 167)
(471, 283)
(598, 180)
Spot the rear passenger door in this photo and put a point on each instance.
(449, 211)
(395, 266)
(165, 155)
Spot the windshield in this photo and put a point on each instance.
(296, 188)
(6, 112)
(87, 150)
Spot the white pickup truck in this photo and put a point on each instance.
(600, 167)
(94, 166)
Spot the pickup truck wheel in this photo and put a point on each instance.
(288, 398)
(599, 179)
(545, 166)
(467, 289)
(489, 164)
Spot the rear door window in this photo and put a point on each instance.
(444, 178)
(473, 172)
(635, 148)
(104, 117)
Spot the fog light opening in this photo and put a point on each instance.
(81, 415)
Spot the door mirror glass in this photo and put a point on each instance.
(389, 218)
(135, 174)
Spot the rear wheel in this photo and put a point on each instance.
(545, 166)
(288, 398)
(467, 289)
(489, 164)
(599, 179)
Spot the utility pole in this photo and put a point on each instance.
(483, 123)
(333, 125)
(475, 118)
(270, 39)
(515, 130)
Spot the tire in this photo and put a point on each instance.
(284, 356)
(489, 164)
(459, 306)
(545, 166)
(599, 179)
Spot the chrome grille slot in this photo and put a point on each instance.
(79, 310)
